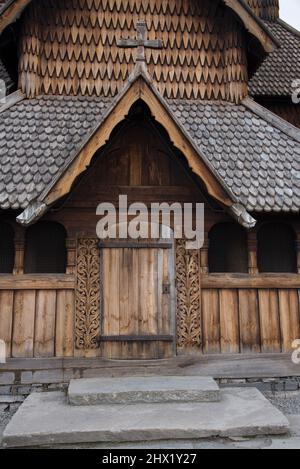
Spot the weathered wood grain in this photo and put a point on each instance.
(37, 282)
(45, 316)
(211, 322)
(64, 334)
(229, 321)
(6, 318)
(23, 324)
(249, 321)
(261, 281)
(289, 318)
(269, 321)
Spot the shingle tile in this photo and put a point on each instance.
(259, 163)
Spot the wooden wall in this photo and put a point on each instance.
(37, 315)
(249, 320)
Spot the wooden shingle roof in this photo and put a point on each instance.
(255, 153)
(276, 74)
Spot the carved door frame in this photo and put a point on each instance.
(186, 303)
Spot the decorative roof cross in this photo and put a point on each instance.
(141, 42)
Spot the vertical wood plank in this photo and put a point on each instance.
(148, 317)
(269, 321)
(164, 276)
(136, 158)
(23, 327)
(124, 309)
(289, 318)
(6, 318)
(211, 322)
(229, 321)
(249, 321)
(64, 335)
(45, 324)
(134, 301)
(125, 263)
(111, 298)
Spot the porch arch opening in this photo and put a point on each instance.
(7, 248)
(45, 249)
(276, 249)
(228, 249)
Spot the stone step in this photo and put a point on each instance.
(134, 390)
(47, 419)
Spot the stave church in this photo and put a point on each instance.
(185, 101)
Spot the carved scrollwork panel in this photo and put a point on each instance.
(87, 324)
(189, 333)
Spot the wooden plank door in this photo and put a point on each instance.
(138, 307)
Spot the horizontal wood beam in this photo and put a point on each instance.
(37, 282)
(136, 338)
(255, 365)
(263, 281)
(135, 245)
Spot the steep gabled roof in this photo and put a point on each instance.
(139, 86)
(276, 74)
(243, 153)
(13, 9)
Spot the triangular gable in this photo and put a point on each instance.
(139, 88)
(14, 8)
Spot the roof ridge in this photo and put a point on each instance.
(288, 27)
(278, 122)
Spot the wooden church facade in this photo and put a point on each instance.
(89, 122)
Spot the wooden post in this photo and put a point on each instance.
(19, 250)
(204, 269)
(71, 255)
(298, 249)
(252, 253)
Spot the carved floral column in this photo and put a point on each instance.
(87, 323)
(189, 333)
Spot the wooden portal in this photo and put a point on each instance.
(138, 308)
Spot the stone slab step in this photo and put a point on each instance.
(146, 389)
(46, 419)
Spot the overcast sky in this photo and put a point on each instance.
(290, 12)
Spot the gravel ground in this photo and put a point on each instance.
(6, 413)
(287, 402)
